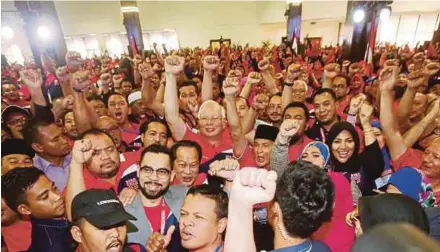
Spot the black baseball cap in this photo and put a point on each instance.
(101, 208)
(16, 146)
(13, 109)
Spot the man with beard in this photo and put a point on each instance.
(30, 193)
(274, 110)
(51, 148)
(99, 223)
(96, 164)
(157, 206)
(203, 220)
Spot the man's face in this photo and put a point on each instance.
(97, 71)
(156, 134)
(43, 200)
(70, 125)
(52, 141)
(299, 91)
(118, 108)
(431, 160)
(8, 215)
(126, 88)
(99, 107)
(274, 109)
(12, 161)
(16, 121)
(418, 106)
(154, 175)
(111, 127)
(298, 114)
(242, 107)
(215, 90)
(211, 122)
(340, 88)
(101, 240)
(10, 91)
(186, 165)
(199, 225)
(325, 108)
(187, 94)
(153, 59)
(262, 149)
(139, 109)
(105, 157)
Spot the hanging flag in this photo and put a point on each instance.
(133, 46)
(370, 47)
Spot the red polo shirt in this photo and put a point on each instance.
(130, 134)
(296, 149)
(208, 150)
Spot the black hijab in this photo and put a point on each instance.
(353, 164)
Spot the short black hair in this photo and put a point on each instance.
(114, 93)
(63, 116)
(157, 149)
(30, 130)
(215, 193)
(323, 91)
(144, 126)
(305, 194)
(16, 182)
(346, 78)
(297, 105)
(95, 132)
(185, 143)
(187, 83)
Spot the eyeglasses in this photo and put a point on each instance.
(17, 121)
(161, 173)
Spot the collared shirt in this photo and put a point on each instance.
(58, 174)
(307, 246)
(51, 235)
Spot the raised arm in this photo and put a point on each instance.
(280, 151)
(64, 77)
(395, 142)
(137, 76)
(173, 66)
(84, 114)
(158, 55)
(230, 89)
(415, 80)
(210, 64)
(253, 78)
(330, 72)
(244, 195)
(148, 93)
(32, 79)
(293, 72)
(413, 135)
(268, 80)
(82, 152)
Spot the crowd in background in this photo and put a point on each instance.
(235, 148)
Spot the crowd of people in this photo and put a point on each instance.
(231, 149)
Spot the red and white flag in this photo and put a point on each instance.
(370, 48)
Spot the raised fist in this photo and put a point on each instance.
(293, 72)
(288, 129)
(174, 64)
(418, 58)
(230, 86)
(81, 80)
(387, 79)
(263, 65)
(254, 77)
(210, 63)
(105, 79)
(356, 103)
(431, 69)
(117, 79)
(392, 63)
(31, 78)
(252, 186)
(225, 168)
(82, 151)
(62, 74)
(331, 70)
(415, 79)
(346, 63)
(354, 68)
(366, 113)
(67, 102)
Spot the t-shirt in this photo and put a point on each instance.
(208, 150)
(411, 157)
(130, 134)
(154, 216)
(18, 236)
(296, 149)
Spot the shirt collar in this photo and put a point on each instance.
(46, 164)
(302, 247)
(54, 223)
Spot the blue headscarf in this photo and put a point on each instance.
(385, 153)
(323, 149)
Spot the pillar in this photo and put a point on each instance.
(132, 26)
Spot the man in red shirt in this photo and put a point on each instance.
(15, 231)
(117, 105)
(429, 161)
(186, 156)
(213, 138)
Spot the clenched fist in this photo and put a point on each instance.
(174, 64)
(288, 129)
(82, 151)
(254, 77)
(263, 65)
(331, 70)
(210, 63)
(225, 168)
(62, 74)
(81, 80)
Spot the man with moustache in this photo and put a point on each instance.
(274, 109)
(99, 223)
(157, 206)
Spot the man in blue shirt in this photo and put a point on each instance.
(29, 192)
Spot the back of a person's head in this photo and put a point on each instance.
(395, 237)
(390, 208)
(305, 194)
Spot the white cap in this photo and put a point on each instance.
(134, 97)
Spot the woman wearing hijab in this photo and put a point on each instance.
(336, 234)
(357, 84)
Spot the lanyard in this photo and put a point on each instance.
(162, 218)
